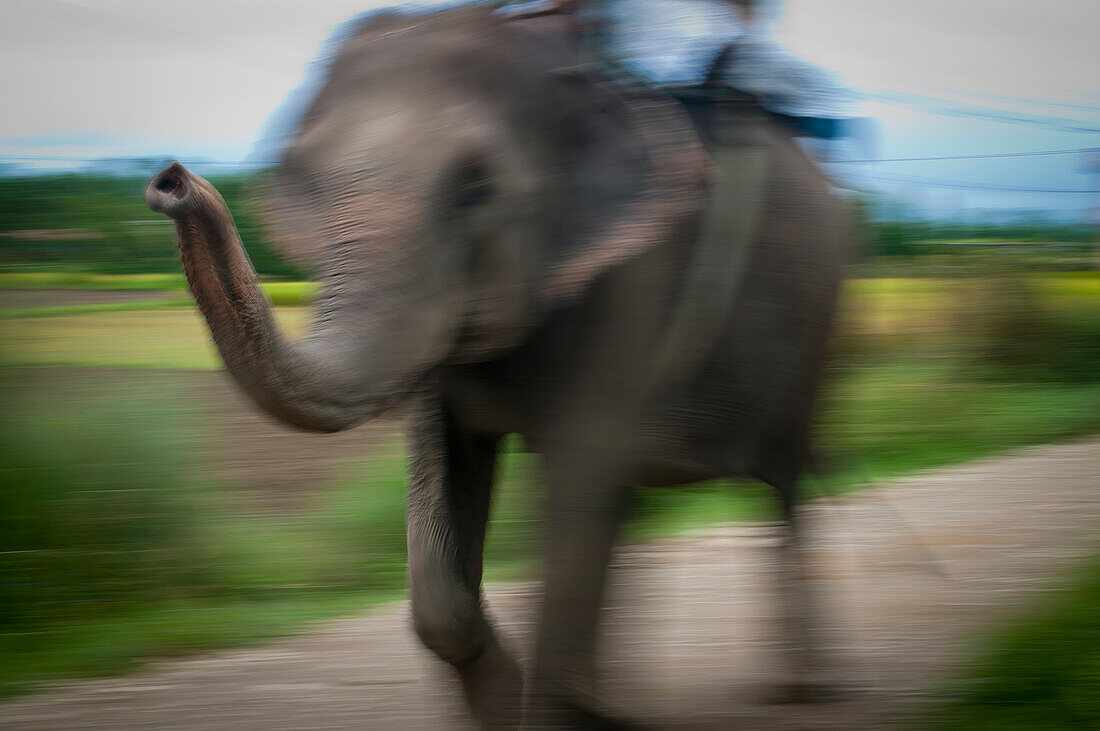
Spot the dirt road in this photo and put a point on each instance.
(913, 572)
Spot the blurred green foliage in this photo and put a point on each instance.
(1015, 334)
(117, 543)
(100, 224)
(917, 238)
(900, 237)
(96, 509)
(1043, 671)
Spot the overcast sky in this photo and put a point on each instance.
(198, 79)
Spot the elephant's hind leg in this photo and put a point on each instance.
(448, 505)
(803, 662)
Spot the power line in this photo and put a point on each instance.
(988, 156)
(1032, 102)
(967, 185)
(951, 108)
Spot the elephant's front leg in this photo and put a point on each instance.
(582, 520)
(448, 505)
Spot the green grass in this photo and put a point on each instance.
(1041, 672)
(885, 420)
(129, 638)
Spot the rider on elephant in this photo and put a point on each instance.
(684, 46)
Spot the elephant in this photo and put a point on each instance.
(504, 242)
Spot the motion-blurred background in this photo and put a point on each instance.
(147, 510)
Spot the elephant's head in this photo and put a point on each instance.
(452, 180)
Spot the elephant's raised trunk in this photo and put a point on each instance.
(320, 383)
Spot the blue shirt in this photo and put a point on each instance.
(666, 42)
(673, 43)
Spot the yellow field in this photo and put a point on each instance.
(142, 339)
(176, 338)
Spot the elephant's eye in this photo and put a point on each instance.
(472, 184)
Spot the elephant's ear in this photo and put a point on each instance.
(637, 175)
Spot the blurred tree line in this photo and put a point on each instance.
(899, 237)
(99, 223)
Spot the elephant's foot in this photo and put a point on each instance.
(493, 684)
(808, 678)
(804, 691)
(556, 706)
(564, 715)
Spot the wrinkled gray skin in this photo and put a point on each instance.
(452, 182)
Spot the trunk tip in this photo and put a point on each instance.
(171, 191)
